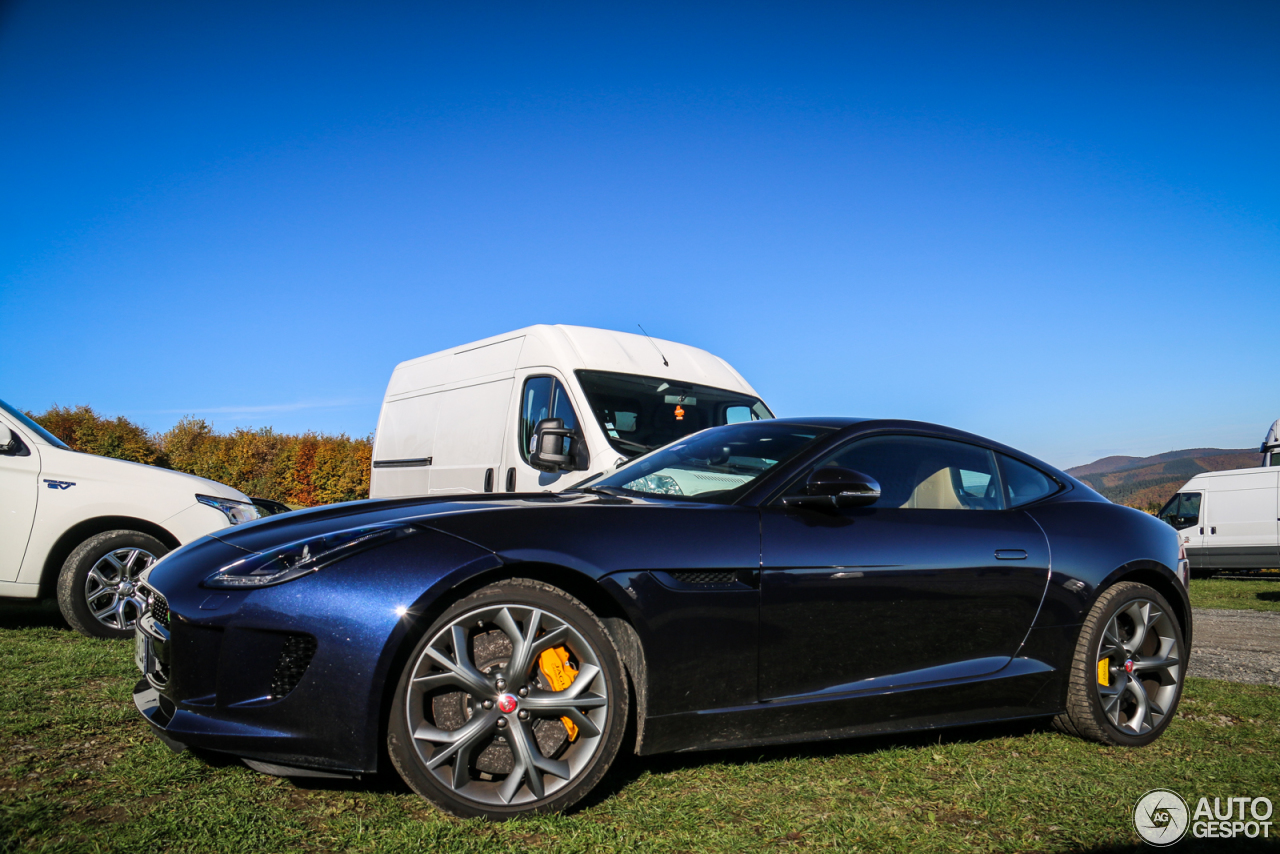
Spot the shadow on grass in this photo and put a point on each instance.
(627, 769)
(1270, 596)
(32, 614)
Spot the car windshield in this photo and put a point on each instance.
(638, 414)
(714, 466)
(45, 435)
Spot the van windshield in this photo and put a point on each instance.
(638, 414)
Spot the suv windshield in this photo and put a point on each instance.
(45, 435)
(715, 466)
(638, 414)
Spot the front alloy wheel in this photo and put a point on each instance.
(514, 702)
(97, 587)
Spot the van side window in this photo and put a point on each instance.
(1183, 510)
(1024, 483)
(919, 473)
(543, 397)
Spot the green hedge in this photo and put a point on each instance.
(305, 470)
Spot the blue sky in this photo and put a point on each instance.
(1057, 225)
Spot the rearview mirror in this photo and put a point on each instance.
(832, 486)
(551, 452)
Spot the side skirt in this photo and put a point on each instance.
(1012, 693)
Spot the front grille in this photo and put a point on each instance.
(294, 660)
(158, 607)
(705, 578)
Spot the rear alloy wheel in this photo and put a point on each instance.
(1128, 671)
(97, 588)
(514, 702)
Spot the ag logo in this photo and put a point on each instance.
(59, 484)
(1161, 817)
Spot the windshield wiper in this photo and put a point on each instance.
(611, 491)
(639, 447)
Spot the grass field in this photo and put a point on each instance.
(79, 771)
(1251, 594)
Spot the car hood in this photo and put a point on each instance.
(275, 531)
(76, 464)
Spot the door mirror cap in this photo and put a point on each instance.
(6, 440)
(832, 487)
(549, 452)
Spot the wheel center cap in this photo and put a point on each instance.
(1128, 666)
(507, 703)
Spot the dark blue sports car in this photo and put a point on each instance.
(764, 582)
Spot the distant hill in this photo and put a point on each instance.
(1148, 482)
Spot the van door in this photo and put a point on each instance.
(402, 451)
(1183, 513)
(19, 491)
(1240, 522)
(468, 446)
(542, 393)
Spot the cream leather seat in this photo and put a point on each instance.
(935, 492)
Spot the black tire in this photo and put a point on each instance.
(74, 583)
(473, 789)
(1147, 669)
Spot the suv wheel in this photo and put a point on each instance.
(97, 583)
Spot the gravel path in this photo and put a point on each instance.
(1241, 646)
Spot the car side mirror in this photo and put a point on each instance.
(549, 452)
(832, 487)
(6, 440)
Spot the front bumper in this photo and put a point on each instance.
(198, 722)
(292, 676)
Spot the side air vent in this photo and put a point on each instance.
(294, 660)
(705, 579)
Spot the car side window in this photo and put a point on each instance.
(920, 473)
(1024, 483)
(543, 397)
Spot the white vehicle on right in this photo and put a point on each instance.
(1231, 519)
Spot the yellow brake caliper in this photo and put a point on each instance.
(554, 664)
(1104, 672)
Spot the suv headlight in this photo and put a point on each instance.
(303, 557)
(236, 511)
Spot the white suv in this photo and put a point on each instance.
(83, 527)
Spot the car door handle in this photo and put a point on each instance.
(1213, 530)
(1011, 554)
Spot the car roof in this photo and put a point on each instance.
(850, 425)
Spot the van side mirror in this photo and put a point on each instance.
(551, 452)
(831, 487)
(6, 440)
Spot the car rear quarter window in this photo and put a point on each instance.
(1024, 483)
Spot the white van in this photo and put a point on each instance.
(544, 408)
(1228, 519)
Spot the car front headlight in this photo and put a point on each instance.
(236, 511)
(296, 559)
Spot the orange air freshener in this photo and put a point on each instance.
(554, 664)
(679, 412)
